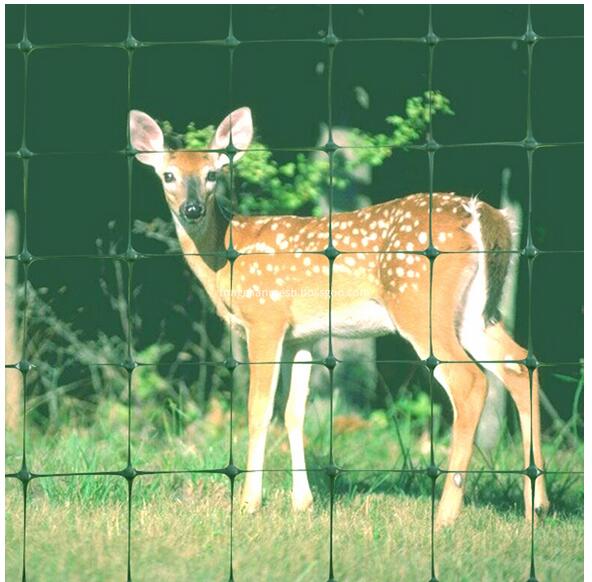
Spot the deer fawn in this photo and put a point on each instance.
(380, 284)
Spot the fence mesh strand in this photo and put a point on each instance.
(130, 473)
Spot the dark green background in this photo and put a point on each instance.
(77, 102)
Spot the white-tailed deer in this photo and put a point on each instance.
(380, 284)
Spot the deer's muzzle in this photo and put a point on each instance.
(192, 209)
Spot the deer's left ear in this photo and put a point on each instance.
(239, 123)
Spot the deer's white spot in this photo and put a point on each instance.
(306, 261)
(400, 271)
(512, 366)
(423, 238)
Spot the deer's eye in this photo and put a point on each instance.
(212, 176)
(168, 177)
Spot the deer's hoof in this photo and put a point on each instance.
(445, 519)
(540, 511)
(251, 505)
(302, 502)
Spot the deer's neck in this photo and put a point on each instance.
(207, 238)
(205, 252)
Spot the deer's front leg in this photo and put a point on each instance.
(294, 419)
(264, 348)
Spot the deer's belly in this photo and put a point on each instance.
(364, 319)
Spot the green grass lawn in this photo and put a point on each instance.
(183, 533)
(77, 526)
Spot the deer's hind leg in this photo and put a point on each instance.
(504, 354)
(464, 382)
(294, 420)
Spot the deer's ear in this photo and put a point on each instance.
(240, 124)
(146, 136)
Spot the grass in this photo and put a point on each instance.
(184, 534)
(77, 526)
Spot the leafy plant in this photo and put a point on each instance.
(267, 187)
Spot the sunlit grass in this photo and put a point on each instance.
(77, 526)
(180, 530)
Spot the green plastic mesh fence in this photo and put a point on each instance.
(131, 257)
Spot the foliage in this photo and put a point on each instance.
(268, 187)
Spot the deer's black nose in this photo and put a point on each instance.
(192, 209)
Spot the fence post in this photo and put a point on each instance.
(354, 382)
(12, 381)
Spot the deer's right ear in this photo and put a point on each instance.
(146, 136)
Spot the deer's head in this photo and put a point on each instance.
(189, 178)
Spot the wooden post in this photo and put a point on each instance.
(354, 381)
(13, 380)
